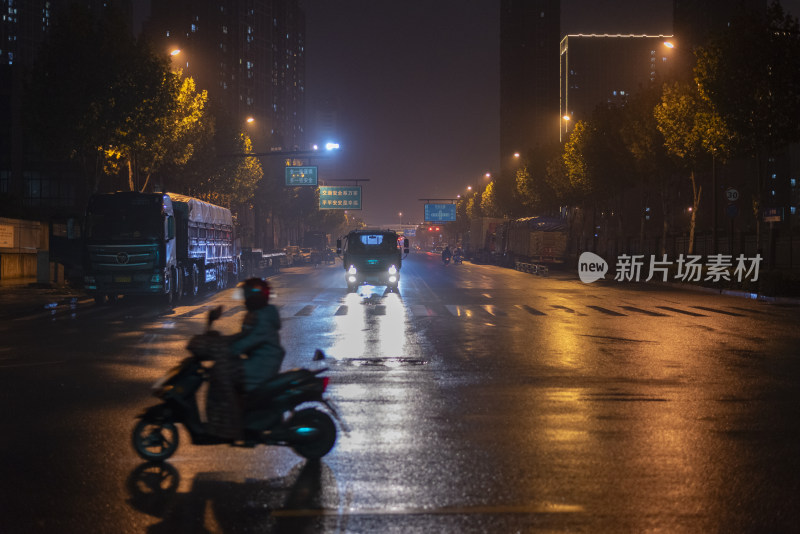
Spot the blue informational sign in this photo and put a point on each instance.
(301, 175)
(440, 212)
(346, 197)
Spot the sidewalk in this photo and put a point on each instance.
(23, 295)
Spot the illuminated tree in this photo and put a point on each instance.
(749, 73)
(692, 129)
(489, 205)
(166, 128)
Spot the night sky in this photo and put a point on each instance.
(417, 87)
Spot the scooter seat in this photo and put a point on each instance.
(280, 382)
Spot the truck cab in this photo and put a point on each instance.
(372, 256)
(130, 245)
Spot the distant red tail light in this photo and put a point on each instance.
(325, 381)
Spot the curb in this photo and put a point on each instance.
(791, 301)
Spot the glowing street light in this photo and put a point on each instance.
(669, 44)
(250, 120)
(175, 52)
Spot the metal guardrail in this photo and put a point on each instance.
(532, 268)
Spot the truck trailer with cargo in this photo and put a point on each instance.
(162, 244)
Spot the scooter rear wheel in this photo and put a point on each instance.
(314, 433)
(155, 440)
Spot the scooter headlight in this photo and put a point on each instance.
(351, 270)
(392, 270)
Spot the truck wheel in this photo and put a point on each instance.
(221, 277)
(195, 280)
(177, 277)
(237, 270)
(168, 298)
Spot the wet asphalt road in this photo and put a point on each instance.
(479, 399)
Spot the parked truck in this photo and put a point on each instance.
(161, 244)
(533, 240)
(481, 245)
(319, 244)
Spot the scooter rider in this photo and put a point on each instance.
(232, 377)
(258, 340)
(446, 254)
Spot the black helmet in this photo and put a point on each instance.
(256, 293)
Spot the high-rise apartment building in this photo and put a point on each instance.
(529, 37)
(695, 20)
(250, 57)
(25, 181)
(607, 69)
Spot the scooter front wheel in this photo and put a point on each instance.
(313, 433)
(155, 440)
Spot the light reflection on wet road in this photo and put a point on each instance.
(479, 400)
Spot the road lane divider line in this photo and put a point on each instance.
(607, 311)
(684, 312)
(532, 311)
(645, 312)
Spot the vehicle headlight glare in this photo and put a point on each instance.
(392, 270)
(351, 278)
(352, 270)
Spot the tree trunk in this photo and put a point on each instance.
(696, 193)
(642, 222)
(145, 183)
(130, 176)
(664, 225)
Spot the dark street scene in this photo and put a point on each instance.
(299, 266)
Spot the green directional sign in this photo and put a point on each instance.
(301, 175)
(346, 197)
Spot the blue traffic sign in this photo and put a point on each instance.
(440, 212)
(301, 175)
(346, 197)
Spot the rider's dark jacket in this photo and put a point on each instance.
(260, 342)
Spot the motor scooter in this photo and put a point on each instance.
(271, 415)
(457, 259)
